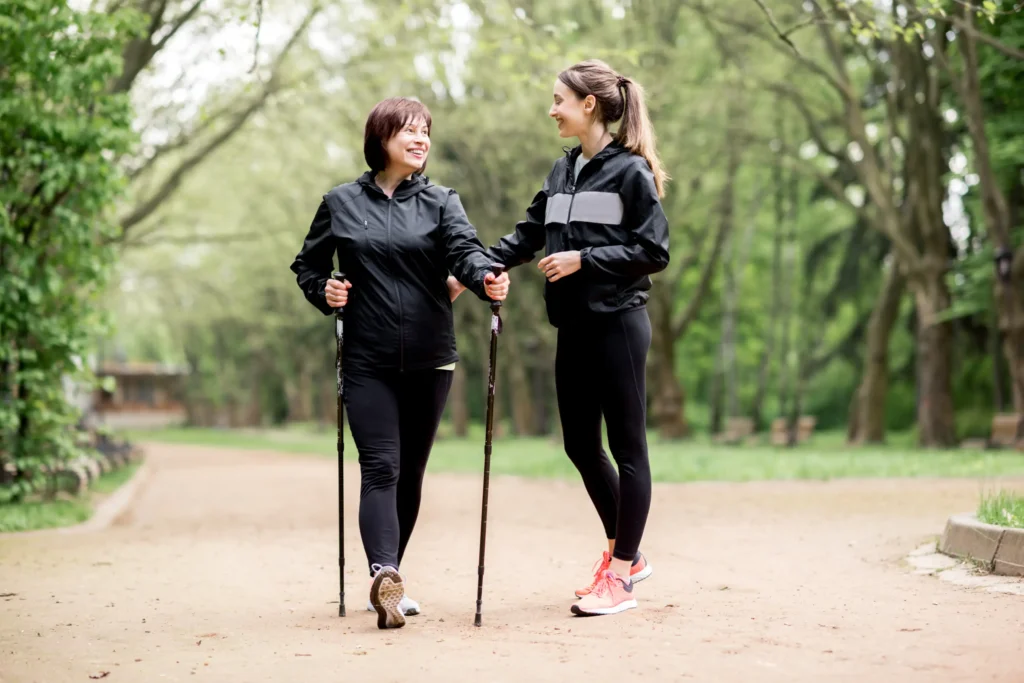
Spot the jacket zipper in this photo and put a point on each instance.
(398, 295)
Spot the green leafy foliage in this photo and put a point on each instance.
(60, 132)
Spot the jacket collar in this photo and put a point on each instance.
(613, 148)
(407, 188)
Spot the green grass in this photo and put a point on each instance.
(34, 515)
(1004, 508)
(827, 457)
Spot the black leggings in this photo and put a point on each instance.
(599, 370)
(394, 418)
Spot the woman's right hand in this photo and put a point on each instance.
(336, 292)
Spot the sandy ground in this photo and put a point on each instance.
(225, 569)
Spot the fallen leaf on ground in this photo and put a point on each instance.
(7, 595)
(102, 674)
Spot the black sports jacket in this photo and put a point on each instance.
(612, 215)
(397, 253)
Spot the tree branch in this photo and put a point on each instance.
(798, 101)
(689, 314)
(989, 40)
(178, 23)
(174, 180)
(782, 35)
(753, 29)
(183, 140)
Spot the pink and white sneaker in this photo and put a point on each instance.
(638, 571)
(610, 595)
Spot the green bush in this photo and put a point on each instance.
(61, 134)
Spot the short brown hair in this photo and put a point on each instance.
(386, 119)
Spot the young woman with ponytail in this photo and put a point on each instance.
(599, 219)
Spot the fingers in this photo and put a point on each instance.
(336, 293)
(496, 287)
(543, 263)
(491, 278)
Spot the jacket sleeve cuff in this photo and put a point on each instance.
(586, 260)
(477, 285)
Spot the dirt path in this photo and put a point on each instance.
(224, 570)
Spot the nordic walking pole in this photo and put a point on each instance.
(497, 269)
(339, 332)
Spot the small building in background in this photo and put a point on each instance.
(144, 395)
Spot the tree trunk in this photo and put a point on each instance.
(519, 387)
(669, 399)
(997, 219)
(927, 149)
(457, 402)
(778, 181)
(994, 344)
(786, 307)
(1011, 329)
(868, 414)
(934, 365)
(718, 386)
(542, 389)
(667, 406)
(299, 393)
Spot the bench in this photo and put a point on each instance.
(1006, 431)
(737, 429)
(804, 430)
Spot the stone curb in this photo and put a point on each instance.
(105, 514)
(999, 549)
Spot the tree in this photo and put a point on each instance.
(61, 131)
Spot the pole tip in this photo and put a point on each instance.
(476, 620)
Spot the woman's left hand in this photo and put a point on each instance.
(496, 286)
(560, 265)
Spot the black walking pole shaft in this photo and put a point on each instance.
(339, 330)
(495, 331)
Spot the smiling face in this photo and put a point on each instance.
(408, 148)
(573, 114)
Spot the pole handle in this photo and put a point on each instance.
(339, 276)
(496, 270)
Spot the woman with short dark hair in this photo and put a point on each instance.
(397, 237)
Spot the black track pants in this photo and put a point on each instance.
(394, 418)
(599, 371)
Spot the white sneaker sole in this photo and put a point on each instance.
(642, 574)
(602, 611)
(385, 595)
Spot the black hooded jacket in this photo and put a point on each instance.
(612, 215)
(397, 252)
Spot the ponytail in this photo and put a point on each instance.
(636, 132)
(619, 98)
